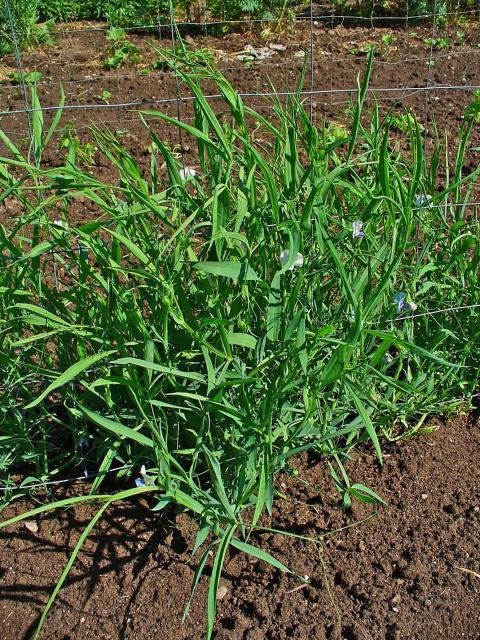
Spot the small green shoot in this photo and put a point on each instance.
(104, 97)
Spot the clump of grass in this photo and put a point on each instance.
(196, 56)
(336, 132)
(77, 152)
(388, 39)
(283, 295)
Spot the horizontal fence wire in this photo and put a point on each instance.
(50, 483)
(85, 477)
(268, 94)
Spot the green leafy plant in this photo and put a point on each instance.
(104, 97)
(122, 51)
(22, 16)
(349, 491)
(30, 77)
(473, 109)
(189, 56)
(441, 14)
(117, 34)
(388, 39)
(336, 133)
(403, 122)
(277, 297)
(438, 43)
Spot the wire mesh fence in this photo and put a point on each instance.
(335, 45)
(419, 66)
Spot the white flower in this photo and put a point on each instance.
(145, 480)
(285, 257)
(357, 230)
(186, 173)
(422, 201)
(400, 299)
(62, 224)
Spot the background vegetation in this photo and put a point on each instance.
(27, 15)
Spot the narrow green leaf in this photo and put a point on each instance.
(116, 428)
(274, 312)
(137, 362)
(234, 270)
(259, 553)
(68, 375)
(215, 579)
(366, 421)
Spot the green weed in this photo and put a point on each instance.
(282, 295)
(388, 39)
(438, 43)
(473, 109)
(402, 122)
(104, 97)
(122, 51)
(203, 56)
(29, 78)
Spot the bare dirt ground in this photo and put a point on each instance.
(411, 571)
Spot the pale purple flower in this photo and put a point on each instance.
(402, 303)
(423, 201)
(145, 479)
(285, 257)
(399, 300)
(357, 230)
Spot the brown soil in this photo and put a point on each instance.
(412, 571)
(77, 57)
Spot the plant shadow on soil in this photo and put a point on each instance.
(399, 574)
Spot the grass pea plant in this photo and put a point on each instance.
(214, 321)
